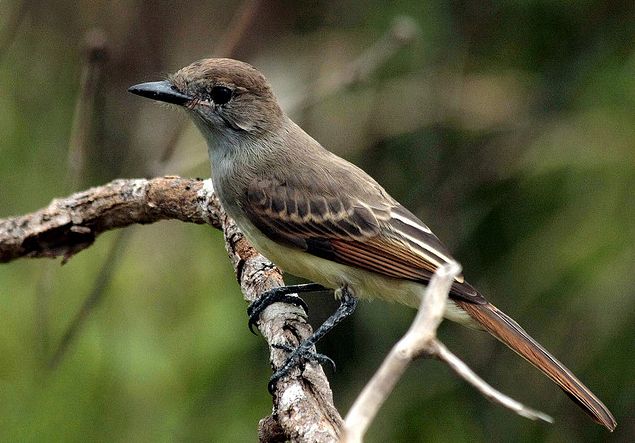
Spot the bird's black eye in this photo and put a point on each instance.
(221, 94)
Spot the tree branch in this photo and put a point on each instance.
(303, 404)
(71, 224)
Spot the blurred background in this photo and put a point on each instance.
(509, 127)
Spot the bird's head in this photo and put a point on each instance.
(223, 96)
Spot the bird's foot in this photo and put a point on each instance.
(305, 352)
(298, 357)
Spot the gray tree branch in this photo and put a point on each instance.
(303, 407)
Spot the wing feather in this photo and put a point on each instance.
(382, 237)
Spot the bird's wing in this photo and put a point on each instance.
(369, 231)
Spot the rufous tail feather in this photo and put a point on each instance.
(511, 334)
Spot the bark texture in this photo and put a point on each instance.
(303, 407)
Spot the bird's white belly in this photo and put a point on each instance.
(364, 284)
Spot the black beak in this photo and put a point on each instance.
(162, 91)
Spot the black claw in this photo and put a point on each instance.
(325, 359)
(271, 386)
(255, 311)
(281, 294)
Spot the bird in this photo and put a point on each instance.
(320, 217)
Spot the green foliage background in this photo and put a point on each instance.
(508, 126)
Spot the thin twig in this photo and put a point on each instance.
(422, 330)
(237, 28)
(95, 56)
(439, 351)
(42, 311)
(402, 32)
(12, 25)
(94, 298)
(421, 341)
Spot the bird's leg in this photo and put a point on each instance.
(304, 352)
(280, 294)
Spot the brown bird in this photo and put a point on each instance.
(320, 217)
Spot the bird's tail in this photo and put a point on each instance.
(511, 334)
